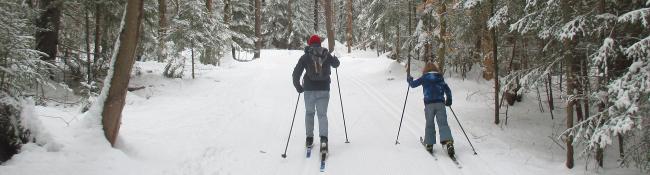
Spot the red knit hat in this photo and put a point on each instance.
(313, 40)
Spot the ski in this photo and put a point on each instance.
(455, 160)
(323, 156)
(433, 153)
(309, 151)
(322, 166)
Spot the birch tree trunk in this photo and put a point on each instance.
(125, 56)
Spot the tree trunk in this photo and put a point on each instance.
(315, 16)
(349, 29)
(290, 25)
(208, 54)
(162, 30)
(258, 29)
(569, 110)
(571, 64)
(329, 24)
(493, 32)
(227, 17)
(586, 84)
(208, 5)
(621, 147)
(50, 19)
(549, 85)
(88, 53)
(124, 58)
(192, 52)
(99, 33)
(398, 45)
(442, 51)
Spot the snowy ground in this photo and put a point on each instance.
(234, 119)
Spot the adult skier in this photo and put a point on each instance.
(317, 63)
(435, 89)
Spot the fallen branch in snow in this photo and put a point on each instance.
(131, 89)
(67, 123)
(67, 103)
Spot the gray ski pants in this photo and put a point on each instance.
(316, 103)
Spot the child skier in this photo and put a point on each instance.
(434, 87)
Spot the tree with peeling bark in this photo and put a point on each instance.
(123, 60)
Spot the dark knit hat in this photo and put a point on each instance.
(313, 40)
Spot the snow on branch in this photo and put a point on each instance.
(500, 17)
(572, 28)
(471, 3)
(636, 15)
(639, 49)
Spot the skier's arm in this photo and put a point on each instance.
(414, 83)
(297, 73)
(447, 93)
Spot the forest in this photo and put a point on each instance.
(588, 59)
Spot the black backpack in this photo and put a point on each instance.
(316, 68)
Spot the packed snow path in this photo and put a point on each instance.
(234, 119)
(237, 120)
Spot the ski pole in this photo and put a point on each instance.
(284, 155)
(342, 112)
(461, 127)
(408, 88)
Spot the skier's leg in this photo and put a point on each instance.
(430, 129)
(321, 110)
(443, 126)
(310, 104)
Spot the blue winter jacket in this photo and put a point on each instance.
(433, 86)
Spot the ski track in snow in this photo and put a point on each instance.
(234, 119)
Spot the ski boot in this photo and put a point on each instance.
(429, 148)
(309, 142)
(450, 148)
(323, 146)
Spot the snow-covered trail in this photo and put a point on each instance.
(237, 120)
(234, 119)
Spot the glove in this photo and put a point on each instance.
(409, 78)
(448, 102)
(299, 89)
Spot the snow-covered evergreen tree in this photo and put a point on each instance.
(20, 71)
